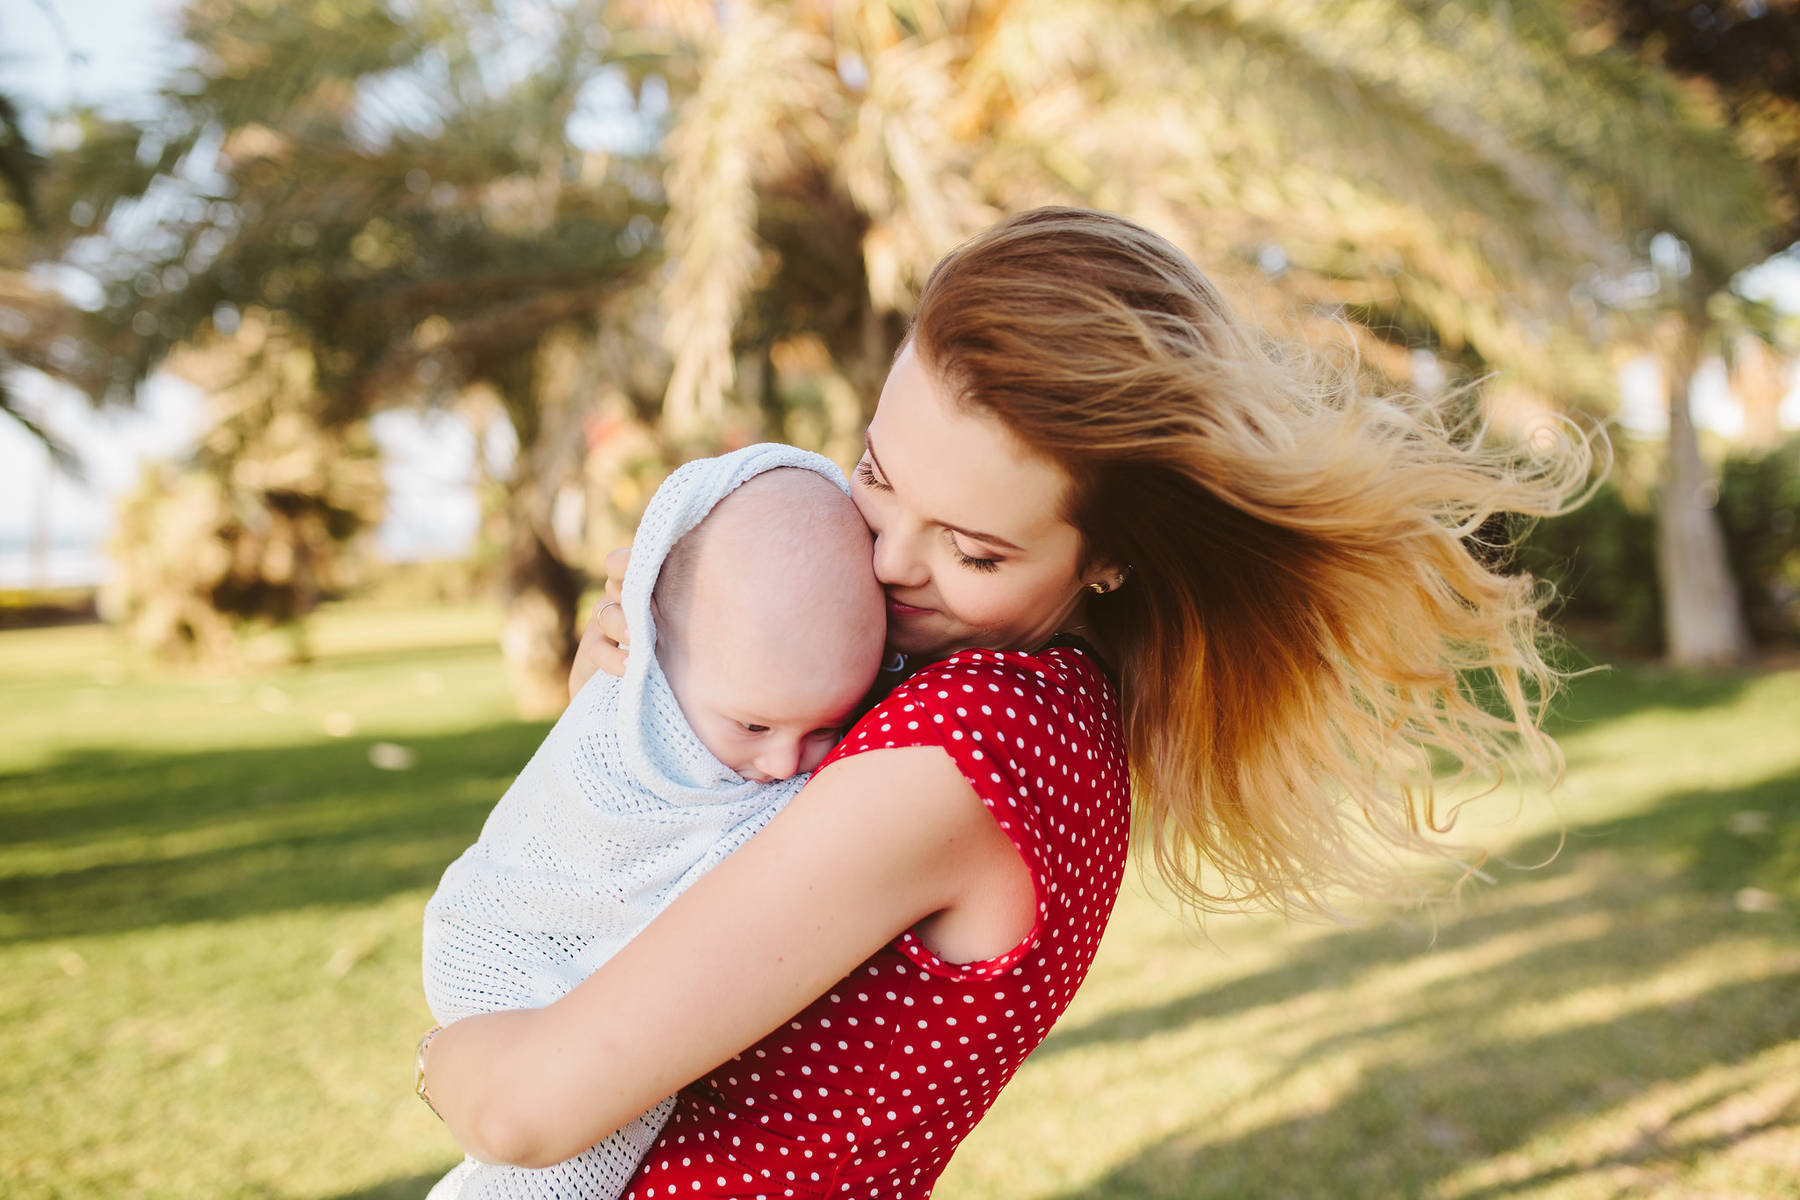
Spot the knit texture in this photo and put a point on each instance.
(617, 813)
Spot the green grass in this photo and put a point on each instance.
(209, 905)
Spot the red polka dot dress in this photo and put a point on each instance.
(868, 1091)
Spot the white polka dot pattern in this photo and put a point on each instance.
(868, 1091)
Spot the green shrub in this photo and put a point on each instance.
(1759, 507)
(1601, 558)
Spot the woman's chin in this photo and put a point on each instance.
(917, 640)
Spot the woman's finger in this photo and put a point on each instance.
(605, 641)
(610, 618)
(598, 650)
(614, 564)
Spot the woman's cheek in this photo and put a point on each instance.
(981, 601)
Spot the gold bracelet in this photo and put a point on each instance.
(419, 1070)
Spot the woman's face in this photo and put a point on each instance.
(970, 543)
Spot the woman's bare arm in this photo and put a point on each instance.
(873, 844)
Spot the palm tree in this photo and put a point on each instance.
(1476, 180)
(262, 522)
(410, 204)
(34, 321)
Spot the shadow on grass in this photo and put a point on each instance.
(1461, 1088)
(111, 841)
(1607, 692)
(1704, 834)
(1407, 1127)
(1626, 901)
(1722, 839)
(410, 1187)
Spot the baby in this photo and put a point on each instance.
(757, 629)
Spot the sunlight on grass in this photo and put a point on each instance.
(209, 927)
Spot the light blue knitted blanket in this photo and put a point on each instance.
(616, 814)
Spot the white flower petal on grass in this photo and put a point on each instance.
(1749, 822)
(391, 756)
(1754, 899)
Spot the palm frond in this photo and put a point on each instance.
(61, 453)
(906, 171)
(767, 94)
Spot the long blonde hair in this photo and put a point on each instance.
(1311, 614)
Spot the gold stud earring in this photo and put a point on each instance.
(1099, 589)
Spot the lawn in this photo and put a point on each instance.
(210, 890)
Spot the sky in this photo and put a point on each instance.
(112, 53)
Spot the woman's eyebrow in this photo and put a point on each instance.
(975, 534)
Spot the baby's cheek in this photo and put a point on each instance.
(718, 742)
(813, 755)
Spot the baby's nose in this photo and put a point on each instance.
(780, 762)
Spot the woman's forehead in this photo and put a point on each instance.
(958, 467)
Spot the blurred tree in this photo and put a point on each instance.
(42, 210)
(1744, 59)
(1477, 181)
(38, 326)
(399, 189)
(41, 330)
(1481, 181)
(1745, 52)
(1759, 503)
(262, 523)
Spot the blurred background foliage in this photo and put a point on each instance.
(257, 528)
(631, 231)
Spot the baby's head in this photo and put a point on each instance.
(769, 623)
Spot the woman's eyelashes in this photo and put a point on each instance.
(969, 560)
(865, 473)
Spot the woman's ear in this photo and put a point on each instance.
(1106, 577)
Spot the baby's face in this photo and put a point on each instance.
(767, 710)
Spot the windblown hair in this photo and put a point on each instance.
(1315, 608)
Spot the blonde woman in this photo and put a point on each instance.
(1157, 579)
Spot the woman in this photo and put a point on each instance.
(1082, 468)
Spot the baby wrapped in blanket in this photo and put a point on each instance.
(757, 628)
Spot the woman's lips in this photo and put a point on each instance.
(902, 609)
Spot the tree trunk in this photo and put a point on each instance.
(537, 637)
(1703, 622)
(541, 395)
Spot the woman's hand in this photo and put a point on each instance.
(872, 845)
(605, 642)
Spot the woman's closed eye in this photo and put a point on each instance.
(865, 474)
(973, 561)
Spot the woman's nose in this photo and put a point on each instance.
(898, 562)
